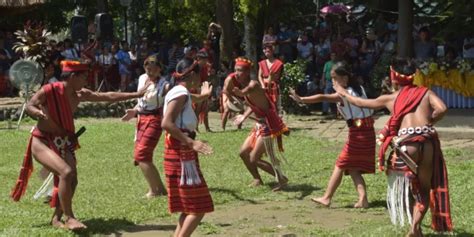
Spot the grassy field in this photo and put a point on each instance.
(110, 199)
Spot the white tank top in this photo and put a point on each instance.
(153, 98)
(350, 111)
(187, 118)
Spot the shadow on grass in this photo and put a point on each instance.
(234, 194)
(304, 189)
(114, 226)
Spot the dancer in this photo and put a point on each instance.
(52, 142)
(269, 73)
(358, 155)
(268, 127)
(416, 162)
(148, 132)
(187, 189)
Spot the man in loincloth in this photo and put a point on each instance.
(416, 163)
(269, 127)
(53, 142)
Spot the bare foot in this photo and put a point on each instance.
(415, 233)
(256, 183)
(361, 204)
(151, 195)
(74, 224)
(57, 223)
(208, 130)
(281, 185)
(321, 201)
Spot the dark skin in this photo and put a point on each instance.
(251, 156)
(430, 110)
(65, 168)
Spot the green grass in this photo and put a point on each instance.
(109, 196)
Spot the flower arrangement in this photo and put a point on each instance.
(424, 68)
(464, 66)
(32, 44)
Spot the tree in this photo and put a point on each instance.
(405, 29)
(225, 17)
(250, 11)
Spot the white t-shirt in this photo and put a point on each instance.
(187, 118)
(468, 53)
(153, 98)
(104, 59)
(350, 111)
(304, 50)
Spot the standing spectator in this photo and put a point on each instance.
(380, 26)
(385, 46)
(424, 48)
(322, 49)
(269, 37)
(284, 43)
(468, 46)
(368, 52)
(175, 54)
(69, 52)
(326, 81)
(305, 52)
(124, 63)
(392, 27)
(214, 33)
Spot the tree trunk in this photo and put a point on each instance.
(225, 18)
(102, 6)
(405, 29)
(250, 40)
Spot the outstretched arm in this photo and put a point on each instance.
(377, 103)
(88, 95)
(438, 106)
(334, 98)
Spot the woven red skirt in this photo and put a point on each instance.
(147, 136)
(359, 151)
(184, 198)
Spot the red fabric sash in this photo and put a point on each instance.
(407, 101)
(276, 67)
(439, 193)
(273, 87)
(272, 120)
(61, 114)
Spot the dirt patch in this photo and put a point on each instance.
(288, 218)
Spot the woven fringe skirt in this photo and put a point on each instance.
(189, 199)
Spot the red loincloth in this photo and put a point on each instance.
(407, 101)
(60, 113)
(271, 119)
(148, 133)
(359, 151)
(272, 89)
(184, 198)
(439, 193)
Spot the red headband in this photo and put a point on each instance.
(73, 66)
(401, 79)
(243, 62)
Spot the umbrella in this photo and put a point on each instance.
(337, 9)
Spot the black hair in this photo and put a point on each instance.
(343, 69)
(404, 66)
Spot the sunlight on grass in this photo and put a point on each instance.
(111, 189)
